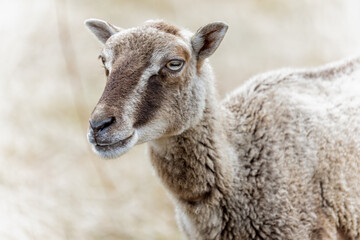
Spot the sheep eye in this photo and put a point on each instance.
(175, 65)
(103, 62)
(102, 58)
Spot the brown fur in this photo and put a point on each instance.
(277, 159)
(167, 28)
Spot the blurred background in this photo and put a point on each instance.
(51, 185)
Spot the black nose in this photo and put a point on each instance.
(101, 124)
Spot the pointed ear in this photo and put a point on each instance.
(208, 38)
(101, 29)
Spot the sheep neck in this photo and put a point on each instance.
(193, 166)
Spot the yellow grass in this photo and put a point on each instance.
(51, 185)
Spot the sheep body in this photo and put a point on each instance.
(302, 133)
(279, 157)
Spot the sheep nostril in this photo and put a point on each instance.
(102, 124)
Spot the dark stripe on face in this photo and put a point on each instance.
(151, 101)
(123, 80)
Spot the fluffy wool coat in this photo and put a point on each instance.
(277, 159)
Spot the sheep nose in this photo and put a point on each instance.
(101, 124)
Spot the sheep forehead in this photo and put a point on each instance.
(153, 39)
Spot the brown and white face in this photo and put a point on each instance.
(155, 87)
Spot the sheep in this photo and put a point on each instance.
(276, 159)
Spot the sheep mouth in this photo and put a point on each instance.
(115, 149)
(115, 144)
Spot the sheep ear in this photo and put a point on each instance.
(101, 29)
(208, 38)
